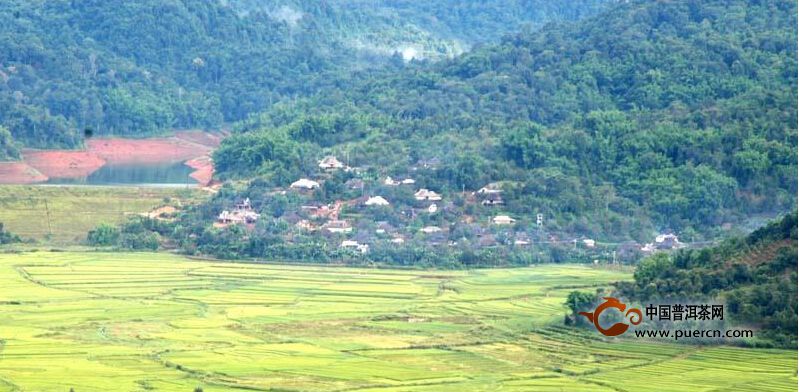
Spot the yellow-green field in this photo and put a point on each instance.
(64, 214)
(138, 322)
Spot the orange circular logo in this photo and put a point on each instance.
(618, 328)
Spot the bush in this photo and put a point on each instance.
(103, 235)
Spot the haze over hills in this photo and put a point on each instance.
(139, 68)
(423, 30)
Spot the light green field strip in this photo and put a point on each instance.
(65, 214)
(143, 322)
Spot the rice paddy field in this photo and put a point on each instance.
(63, 215)
(140, 322)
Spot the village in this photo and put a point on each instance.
(398, 212)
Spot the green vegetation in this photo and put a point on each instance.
(139, 321)
(64, 214)
(650, 117)
(133, 235)
(6, 237)
(116, 67)
(755, 276)
(8, 148)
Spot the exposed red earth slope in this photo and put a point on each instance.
(192, 147)
(135, 151)
(203, 169)
(63, 164)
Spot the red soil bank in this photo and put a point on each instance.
(63, 164)
(134, 151)
(192, 147)
(19, 173)
(203, 170)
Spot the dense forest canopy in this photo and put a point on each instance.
(649, 116)
(144, 67)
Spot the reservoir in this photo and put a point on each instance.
(171, 174)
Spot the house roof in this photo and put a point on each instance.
(426, 194)
(305, 183)
(499, 219)
(337, 224)
(377, 201)
(330, 162)
(489, 189)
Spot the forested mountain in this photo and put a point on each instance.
(137, 68)
(427, 29)
(754, 276)
(654, 115)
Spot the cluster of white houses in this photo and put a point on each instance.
(328, 219)
(244, 214)
(241, 213)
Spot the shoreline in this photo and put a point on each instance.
(192, 148)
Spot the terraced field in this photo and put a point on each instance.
(136, 322)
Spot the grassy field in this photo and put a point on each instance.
(136, 322)
(64, 214)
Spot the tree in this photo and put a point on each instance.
(103, 235)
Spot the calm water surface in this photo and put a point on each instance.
(173, 174)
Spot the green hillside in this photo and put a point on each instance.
(138, 68)
(649, 116)
(755, 276)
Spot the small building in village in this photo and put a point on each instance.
(337, 226)
(390, 181)
(349, 244)
(663, 242)
(305, 184)
(306, 225)
(331, 163)
(503, 220)
(376, 201)
(430, 229)
(668, 241)
(241, 213)
(426, 195)
(490, 189)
